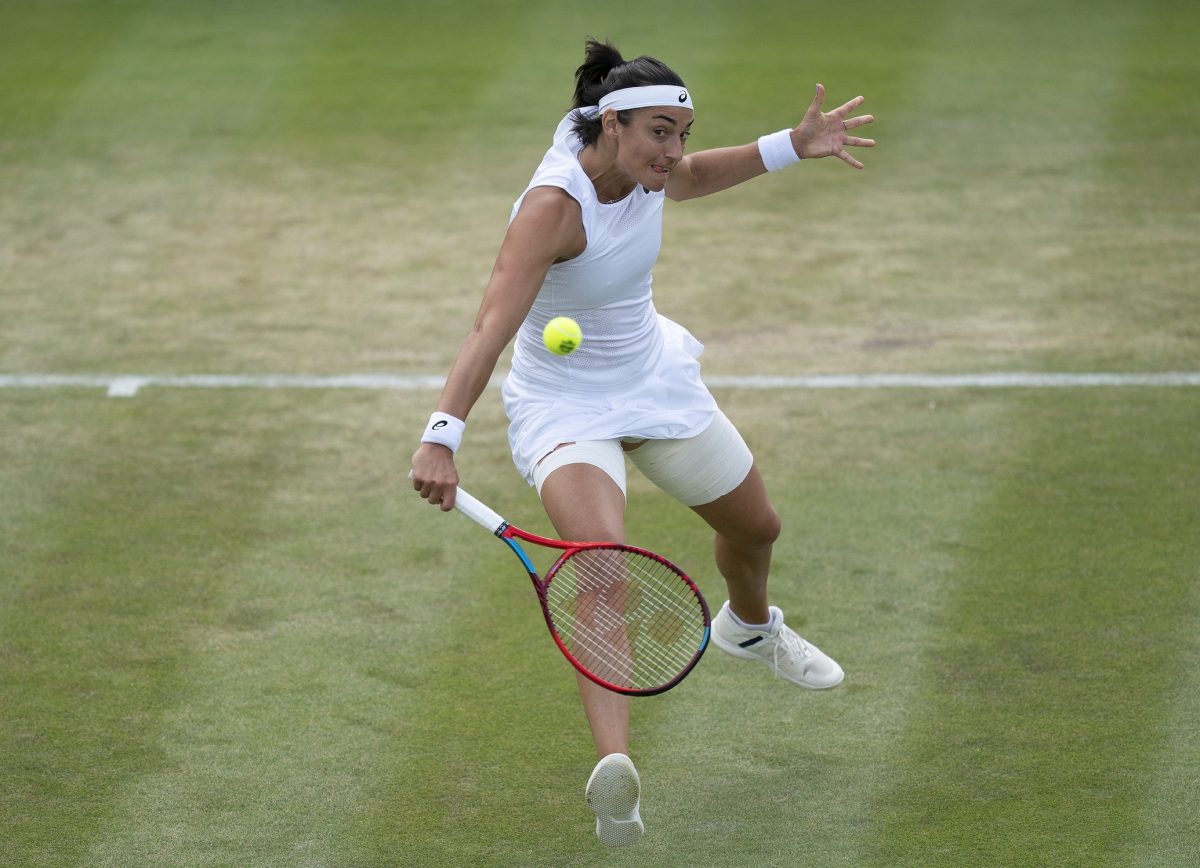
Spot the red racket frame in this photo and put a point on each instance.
(509, 533)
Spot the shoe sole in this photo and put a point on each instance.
(613, 793)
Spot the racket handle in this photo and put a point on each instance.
(476, 510)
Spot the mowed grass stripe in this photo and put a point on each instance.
(126, 555)
(408, 87)
(124, 526)
(307, 662)
(192, 79)
(45, 55)
(964, 135)
(1158, 256)
(1027, 743)
(1038, 721)
(1166, 831)
(1143, 212)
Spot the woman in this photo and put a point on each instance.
(581, 242)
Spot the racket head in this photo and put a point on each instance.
(625, 617)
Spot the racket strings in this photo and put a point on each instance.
(626, 617)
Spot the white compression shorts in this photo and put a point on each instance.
(695, 471)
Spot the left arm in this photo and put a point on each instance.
(706, 172)
(819, 134)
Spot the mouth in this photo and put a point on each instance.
(659, 169)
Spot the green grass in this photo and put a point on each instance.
(230, 635)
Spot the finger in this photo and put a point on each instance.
(819, 99)
(846, 108)
(859, 121)
(849, 160)
(448, 494)
(856, 142)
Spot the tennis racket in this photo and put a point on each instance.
(628, 619)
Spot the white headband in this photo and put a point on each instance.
(642, 97)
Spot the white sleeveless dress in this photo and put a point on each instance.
(636, 373)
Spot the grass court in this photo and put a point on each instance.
(230, 635)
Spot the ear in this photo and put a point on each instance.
(609, 123)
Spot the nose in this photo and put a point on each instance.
(675, 149)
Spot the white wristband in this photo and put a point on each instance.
(444, 429)
(776, 150)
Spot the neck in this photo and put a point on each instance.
(611, 184)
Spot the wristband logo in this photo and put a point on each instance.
(440, 423)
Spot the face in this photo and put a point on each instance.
(652, 144)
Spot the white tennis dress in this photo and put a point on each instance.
(636, 373)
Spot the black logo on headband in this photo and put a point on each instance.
(683, 96)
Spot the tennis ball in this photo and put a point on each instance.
(562, 336)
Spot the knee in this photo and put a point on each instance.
(760, 531)
(771, 527)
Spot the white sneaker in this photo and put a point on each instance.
(614, 792)
(788, 655)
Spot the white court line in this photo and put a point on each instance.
(128, 385)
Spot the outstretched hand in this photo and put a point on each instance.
(824, 134)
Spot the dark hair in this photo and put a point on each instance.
(603, 71)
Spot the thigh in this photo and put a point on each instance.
(700, 469)
(584, 503)
(604, 454)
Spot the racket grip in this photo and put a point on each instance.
(475, 510)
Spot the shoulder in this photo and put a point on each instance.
(549, 219)
(549, 203)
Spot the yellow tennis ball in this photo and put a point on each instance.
(562, 336)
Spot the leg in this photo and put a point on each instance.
(714, 473)
(747, 525)
(584, 503)
(746, 528)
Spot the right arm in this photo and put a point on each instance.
(819, 134)
(548, 228)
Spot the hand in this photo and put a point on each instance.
(823, 134)
(434, 476)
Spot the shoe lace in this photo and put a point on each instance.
(792, 647)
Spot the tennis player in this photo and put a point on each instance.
(582, 241)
